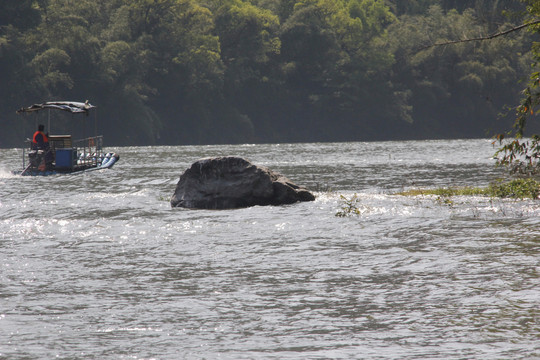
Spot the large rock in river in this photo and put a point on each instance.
(232, 182)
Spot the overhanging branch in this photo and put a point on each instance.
(483, 38)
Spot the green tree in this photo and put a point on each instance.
(250, 44)
(336, 67)
(18, 20)
(161, 63)
(411, 7)
(456, 90)
(20, 14)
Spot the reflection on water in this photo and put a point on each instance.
(99, 266)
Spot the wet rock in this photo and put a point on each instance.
(233, 182)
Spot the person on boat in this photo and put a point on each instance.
(40, 140)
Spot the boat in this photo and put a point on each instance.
(63, 154)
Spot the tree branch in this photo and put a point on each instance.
(489, 37)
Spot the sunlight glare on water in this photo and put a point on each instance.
(98, 265)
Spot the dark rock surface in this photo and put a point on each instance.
(233, 182)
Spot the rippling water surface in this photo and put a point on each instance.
(98, 266)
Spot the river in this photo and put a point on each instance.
(98, 266)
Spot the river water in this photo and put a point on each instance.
(98, 266)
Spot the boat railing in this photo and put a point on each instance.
(87, 152)
(90, 150)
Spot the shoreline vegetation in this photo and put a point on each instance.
(518, 189)
(513, 189)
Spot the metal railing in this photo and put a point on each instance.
(89, 151)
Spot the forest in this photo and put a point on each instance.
(266, 71)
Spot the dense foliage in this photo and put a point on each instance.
(232, 71)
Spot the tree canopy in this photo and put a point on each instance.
(236, 71)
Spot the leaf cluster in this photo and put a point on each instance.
(518, 154)
(349, 206)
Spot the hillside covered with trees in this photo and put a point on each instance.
(248, 71)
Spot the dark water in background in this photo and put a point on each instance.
(98, 266)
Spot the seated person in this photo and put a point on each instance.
(40, 140)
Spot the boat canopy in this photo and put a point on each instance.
(69, 106)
